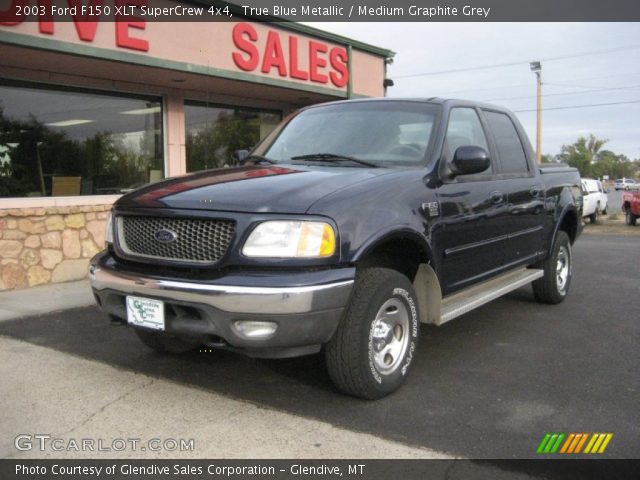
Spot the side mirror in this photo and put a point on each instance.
(470, 159)
(239, 156)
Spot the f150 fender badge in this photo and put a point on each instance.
(165, 236)
(431, 208)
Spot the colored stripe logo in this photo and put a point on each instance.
(574, 443)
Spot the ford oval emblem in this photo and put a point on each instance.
(166, 236)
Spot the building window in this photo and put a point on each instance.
(59, 142)
(214, 132)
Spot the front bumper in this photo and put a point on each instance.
(306, 306)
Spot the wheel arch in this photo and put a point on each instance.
(408, 252)
(568, 221)
(404, 243)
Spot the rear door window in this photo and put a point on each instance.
(508, 144)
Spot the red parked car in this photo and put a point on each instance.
(631, 206)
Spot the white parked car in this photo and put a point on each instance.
(595, 199)
(626, 184)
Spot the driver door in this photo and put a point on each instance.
(471, 237)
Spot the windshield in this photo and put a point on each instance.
(383, 134)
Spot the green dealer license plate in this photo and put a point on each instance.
(145, 312)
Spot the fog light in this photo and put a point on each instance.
(255, 329)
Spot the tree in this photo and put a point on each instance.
(583, 154)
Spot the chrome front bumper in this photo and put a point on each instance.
(229, 298)
(306, 306)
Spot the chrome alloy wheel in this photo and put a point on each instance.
(563, 268)
(389, 336)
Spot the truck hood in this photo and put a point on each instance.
(257, 189)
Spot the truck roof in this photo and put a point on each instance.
(450, 102)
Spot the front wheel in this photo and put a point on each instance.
(630, 217)
(371, 352)
(554, 285)
(595, 216)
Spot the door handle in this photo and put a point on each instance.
(496, 197)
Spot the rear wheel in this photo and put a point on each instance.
(630, 217)
(161, 342)
(554, 285)
(371, 352)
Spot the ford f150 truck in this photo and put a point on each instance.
(346, 228)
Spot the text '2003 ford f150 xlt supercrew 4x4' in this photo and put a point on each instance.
(346, 228)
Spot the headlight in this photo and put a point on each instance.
(291, 239)
(108, 233)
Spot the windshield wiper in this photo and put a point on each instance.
(333, 158)
(259, 159)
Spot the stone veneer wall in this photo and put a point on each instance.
(49, 245)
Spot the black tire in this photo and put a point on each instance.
(630, 218)
(382, 315)
(595, 216)
(604, 212)
(163, 343)
(550, 288)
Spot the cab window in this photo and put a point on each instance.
(508, 144)
(464, 129)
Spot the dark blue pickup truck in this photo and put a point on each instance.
(350, 225)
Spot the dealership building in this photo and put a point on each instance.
(90, 110)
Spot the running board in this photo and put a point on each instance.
(473, 297)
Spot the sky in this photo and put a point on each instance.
(582, 64)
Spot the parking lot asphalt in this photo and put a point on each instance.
(489, 384)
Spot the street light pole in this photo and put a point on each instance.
(537, 69)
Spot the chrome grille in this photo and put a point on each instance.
(196, 240)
